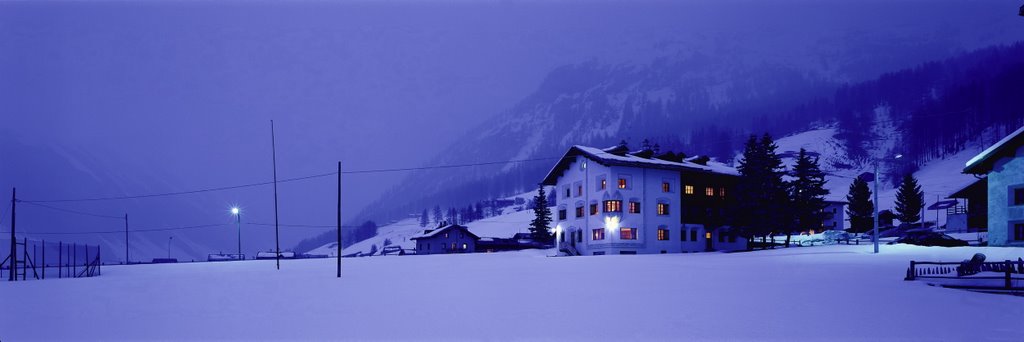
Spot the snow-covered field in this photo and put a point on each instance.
(809, 294)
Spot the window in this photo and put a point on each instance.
(721, 192)
(688, 190)
(597, 234)
(1018, 196)
(593, 209)
(627, 252)
(732, 237)
(682, 234)
(693, 235)
(721, 237)
(666, 187)
(613, 206)
(634, 207)
(708, 235)
(599, 253)
(662, 208)
(445, 235)
(561, 215)
(602, 184)
(709, 191)
(579, 236)
(622, 183)
(627, 233)
(568, 192)
(465, 246)
(663, 234)
(579, 189)
(1018, 231)
(579, 211)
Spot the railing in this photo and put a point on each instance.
(967, 271)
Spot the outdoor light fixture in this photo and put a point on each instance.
(611, 223)
(234, 211)
(238, 223)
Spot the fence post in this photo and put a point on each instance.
(74, 259)
(87, 261)
(44, 259)
(912, 272)
(24, 255)
(1009, 265)
(99, 261)
(60, 259)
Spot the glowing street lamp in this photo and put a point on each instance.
(611, 223)
(558, 233)
(238, 222)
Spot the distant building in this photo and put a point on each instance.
(446, 239)
(834, 215)
(1003, 166)
(613, 201)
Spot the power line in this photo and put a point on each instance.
(73, 211)
(122, 231)
(90, 199)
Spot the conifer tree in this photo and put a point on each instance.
(859, 207)
(807, 193)
(540, 227)
(909, 200)
(437, 214)
(762, 205)
(424, 219)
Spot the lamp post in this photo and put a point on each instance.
(238, 222)
(875, 229)
(558, 233)
(169, 238)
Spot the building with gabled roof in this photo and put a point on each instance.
(614, 201)
(448, 238)
(1002, 164)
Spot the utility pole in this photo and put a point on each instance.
(277, 232)
(339, 219)
(14, 255)
(126, 239)
(875, 232)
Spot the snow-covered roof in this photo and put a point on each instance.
(609, 157)
(982, 163)
(431, 233)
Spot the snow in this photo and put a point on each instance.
(797, 294)
(629, 158)
(991, 149)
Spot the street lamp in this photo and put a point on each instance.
(875, 229)
(238, 222)
(169, 238)
(558, 233)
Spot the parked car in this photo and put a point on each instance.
(930, 239)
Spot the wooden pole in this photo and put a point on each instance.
(44, 259)
(339, 219)
(14, 243)
(60, 259)
(126, 239)
(24, 255)
(277, 231)
(74, 259)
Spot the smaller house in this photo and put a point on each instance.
(971, 215)
(1002, 164)
(834, 215)
(449, 238)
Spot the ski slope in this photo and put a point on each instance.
(832, 293)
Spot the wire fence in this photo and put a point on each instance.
(39, 259)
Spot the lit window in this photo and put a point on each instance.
(634, 207)
(593, 209)
(709, 191)
(465, 246)
(627, 233)
(579, 211)
(613, 206)
(707, 235)
(721, 192)
(662, 208)
(688, 190)
(662, 234)
(604, 184)
(445, 235)
(597, 234)
(666, 187)
(622, 183)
